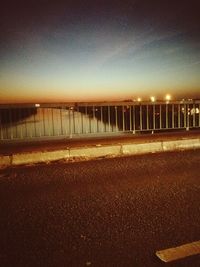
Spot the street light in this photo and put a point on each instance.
(168, 97)
(153, 99)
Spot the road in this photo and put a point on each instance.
(108, 212)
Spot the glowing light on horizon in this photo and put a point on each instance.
(168, 97)
(152, 98)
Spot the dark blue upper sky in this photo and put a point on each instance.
(99, 50)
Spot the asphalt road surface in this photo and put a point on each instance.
(108, 212)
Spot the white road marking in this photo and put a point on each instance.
(172, 254)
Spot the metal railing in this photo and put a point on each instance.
(70, 120)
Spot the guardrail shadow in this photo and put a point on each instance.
(125, 118)
(13, 116)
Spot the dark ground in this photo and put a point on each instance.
(109, 212)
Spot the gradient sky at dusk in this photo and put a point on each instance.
(99, 50)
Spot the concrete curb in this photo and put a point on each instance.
(181, 144)
(83, 153)
(5, 161)
(27, 158)
(95, 152)
(134, 149)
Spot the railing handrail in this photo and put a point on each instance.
(102, 103)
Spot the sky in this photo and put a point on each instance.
(60, 51)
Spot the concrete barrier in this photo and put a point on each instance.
(5, 161)
(26, 158)
(181, 144)
(98, 151)
(95, 152)
(132, 149)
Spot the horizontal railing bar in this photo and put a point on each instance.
(90, 104)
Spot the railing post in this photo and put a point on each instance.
(141, 118)
(130, 119)
(21, 135)
(61, 121)
(173, 116)
(133, 119)
(43, 121)
(78, 128)
(185, 114)
(86, 114)
(109, 118)
(188, 118)
(39, 115)
(179, 116)
(82, 130)
(116, 119)
(93, 117)
(160, 114)
(147, 118)
(1, 130)
(154, 121)
(102, 128)
(194, 112)
(123, 119)
(199, 114)
(166, 116)
(73, 121)
(52, 119)
(70, 128)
